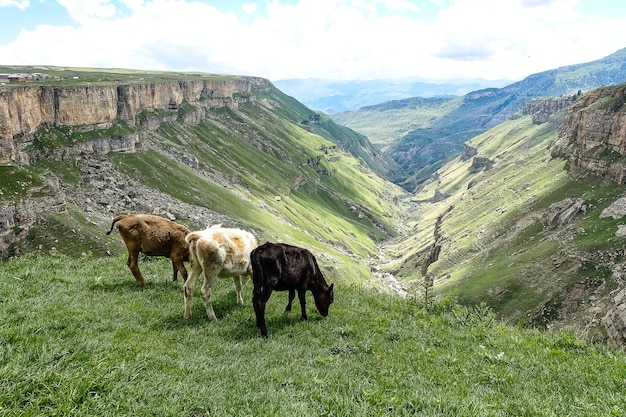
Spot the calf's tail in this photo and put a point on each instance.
(257, 273)
(115, 220)
(192, 237)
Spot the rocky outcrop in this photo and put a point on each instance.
(564, 211)
(29, 113)
(614, 321)
(25, 109)
(593, 139)
(480, 163)
(593, 135)
(16, 216)
(468, 152)
(546, 109)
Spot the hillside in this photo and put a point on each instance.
(386, 123)
(488, 226)
(424, 148)
(337, 96)
(199, 148)
(94, 344)
(537, 237)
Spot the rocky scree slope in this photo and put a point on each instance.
(518, 222)
(230, 150)
(424, 149)
(31, 116)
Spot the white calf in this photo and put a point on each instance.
(218, 252)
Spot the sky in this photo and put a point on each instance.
(339, 40)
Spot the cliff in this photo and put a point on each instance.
(25, 109)
(31, 113)
(593, 139)
(16, 216)
(593, 135)
(546, 109)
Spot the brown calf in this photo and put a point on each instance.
(153, 236)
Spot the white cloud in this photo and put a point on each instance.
(350, 39)
(81, 10)
(249, 8)
(132, 4)
(20, 4)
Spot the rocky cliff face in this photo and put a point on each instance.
(547, 109)
(593, 136)
(25, 109)
(17, 215)
(29, 110)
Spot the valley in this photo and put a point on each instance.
(236, 152)
(239, 152)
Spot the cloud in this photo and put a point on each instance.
(534, 3)
(249, 8)
(20, 4)
(348, 39)
(82, 10)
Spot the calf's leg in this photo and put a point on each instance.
(292, 295)
(302, 298)
(259, 300)
(189, 286)
(134, 268)
(239, 281)
(178, 266)
(210, 276)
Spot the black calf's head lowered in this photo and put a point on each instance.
(283, 267)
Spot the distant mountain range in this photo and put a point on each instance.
(423, 149)
(333, 96)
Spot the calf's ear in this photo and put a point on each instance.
(331, 287)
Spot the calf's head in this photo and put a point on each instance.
(323, 300)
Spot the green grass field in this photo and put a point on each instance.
(79, 338)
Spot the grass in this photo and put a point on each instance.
(16, 182)
(253, 168)
(79, 338)
(65, 76)
(496, 246)
(66, 136)
(388, 122)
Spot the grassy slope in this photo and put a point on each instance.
(260, 152)
(388, 122)
(495, 246)
(61, 76)
(424, 149)
(92, 343)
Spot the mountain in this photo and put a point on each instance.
(422, 150)
(528, 219)
(80, 146)
(333, 96)
(525, 220)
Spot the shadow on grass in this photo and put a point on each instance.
(236, 323)
(224, 305)
(131, 285)
(116, 286)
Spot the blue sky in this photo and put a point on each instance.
(334, 39)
